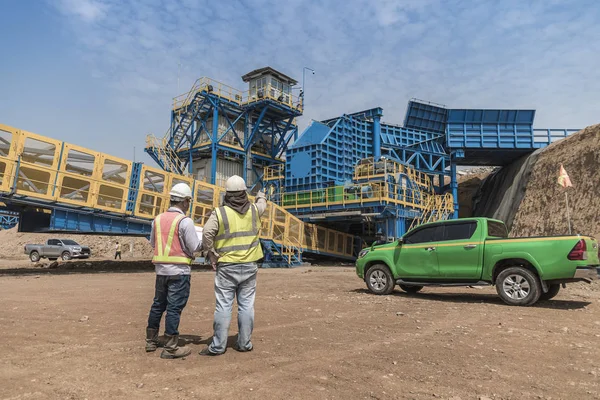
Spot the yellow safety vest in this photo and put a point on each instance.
(237, 239)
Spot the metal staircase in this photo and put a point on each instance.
(161, 151)
(437, 208)
(277, 255)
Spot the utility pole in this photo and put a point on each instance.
(178, 68)
(303, 76)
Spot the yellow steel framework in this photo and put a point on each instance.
(436, 208)
(49, 170)
(418, 196)
(369, 169)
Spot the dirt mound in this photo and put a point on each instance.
(542, 210)
(13, 243)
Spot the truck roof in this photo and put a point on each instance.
(459, 220)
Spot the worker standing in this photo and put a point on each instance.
(231, 237)
(118, 250)
(174, 241)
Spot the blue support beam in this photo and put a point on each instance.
(215, 141)
(377, 136)
(250, 141)
(454, 188)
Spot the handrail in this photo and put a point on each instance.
(360, 193)
(164, 152)
(239, 97)
(370, 169)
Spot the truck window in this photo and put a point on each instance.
(425, 235)
(459, 231)
(69, 243)
(497, 229)
(53, 242)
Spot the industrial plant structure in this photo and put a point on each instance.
(340, 182)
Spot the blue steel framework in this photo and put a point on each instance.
(326, 153)
(257, 132)
(433, 140)
(8, 219)
(331, 149)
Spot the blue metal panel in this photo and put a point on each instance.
(314, 134)
(472, 116)
(426, 116)
(96, 223)
(490, 136)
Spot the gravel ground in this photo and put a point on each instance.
(318, 335)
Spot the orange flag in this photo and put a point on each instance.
(563, 178)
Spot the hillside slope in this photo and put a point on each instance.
(542, 210)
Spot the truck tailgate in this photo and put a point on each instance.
(593, 252)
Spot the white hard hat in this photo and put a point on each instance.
(235, 184)
(181, 191)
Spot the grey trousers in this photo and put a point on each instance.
(234, 280)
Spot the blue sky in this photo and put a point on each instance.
(101, 73)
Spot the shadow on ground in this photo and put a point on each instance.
(90, 267)
(462, 297)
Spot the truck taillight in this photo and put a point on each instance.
(579, 252)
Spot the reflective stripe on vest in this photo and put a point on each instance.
(237, 239)
(167, 246)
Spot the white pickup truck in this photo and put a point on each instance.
(57, 248)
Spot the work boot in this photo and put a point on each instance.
(172, 350)
(151, 339)
(206, 352)
(236, 347)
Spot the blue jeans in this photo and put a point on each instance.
(171, 294)
(233, 280)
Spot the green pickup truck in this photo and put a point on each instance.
(477, 251)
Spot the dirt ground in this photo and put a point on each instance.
(318, 335)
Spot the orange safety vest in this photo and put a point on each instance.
(167, 246)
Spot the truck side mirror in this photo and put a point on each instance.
(400, 242)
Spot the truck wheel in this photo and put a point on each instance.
(411, 289)
(518, 286)
(34, 256)
(379, 280)
(66, 256)
(553, 290)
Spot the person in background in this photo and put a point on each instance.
(174, 240)
(380, 238)
(118, 251)
(231, 237)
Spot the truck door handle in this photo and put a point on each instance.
(470, 246)
(430, 249)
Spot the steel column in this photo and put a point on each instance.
(377, 136)
(215, 136)
(454, 187)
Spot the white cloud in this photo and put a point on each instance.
(509, 54)
(87, 10)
